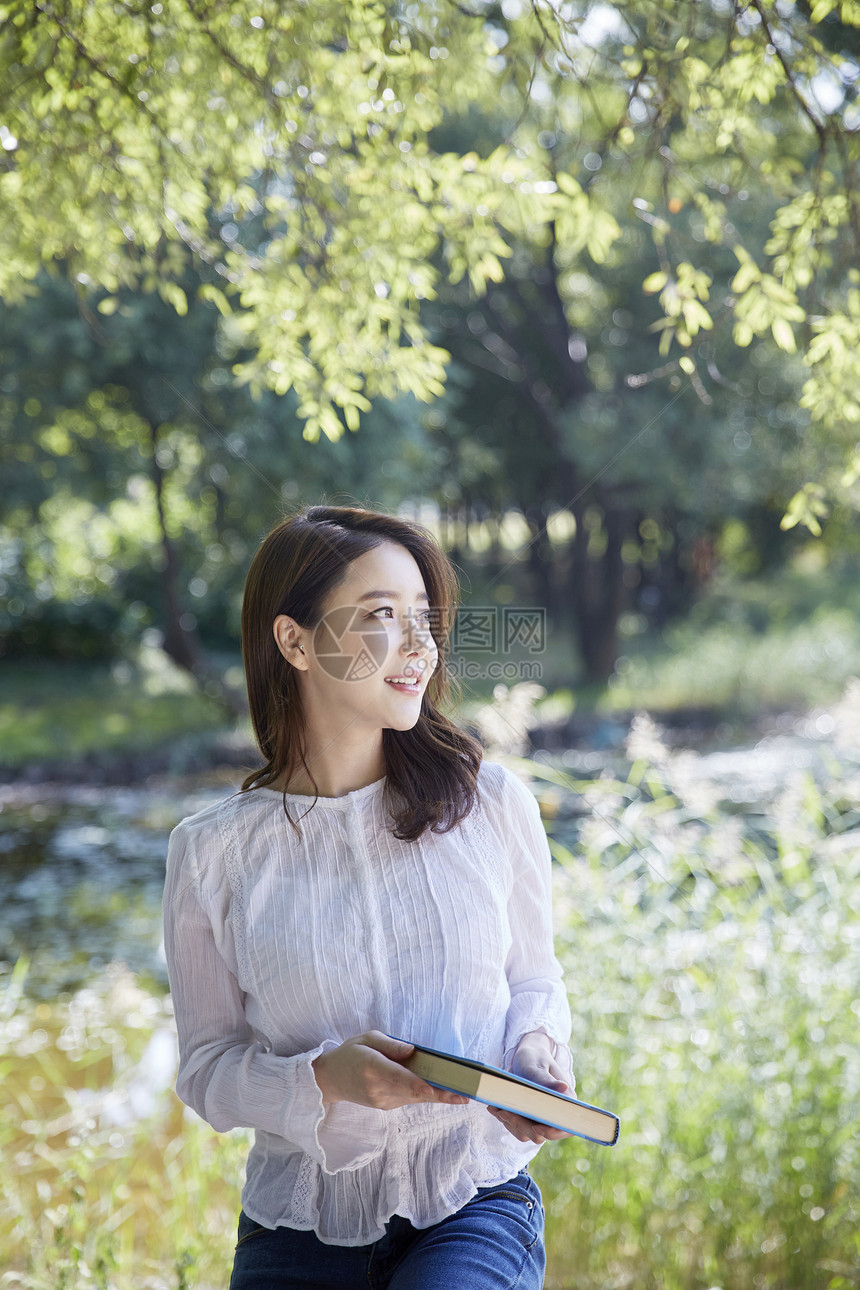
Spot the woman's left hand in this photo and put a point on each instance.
(534, 1060)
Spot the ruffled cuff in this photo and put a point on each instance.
(342, 1136)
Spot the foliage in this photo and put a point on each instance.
(141, 408)
(114, 1186)
(747, 646)
(732, 145)
(311, 121)
(789, 642)
(291, 149)
(712, 961)
(53, 711)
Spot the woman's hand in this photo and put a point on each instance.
(534, 1060)
(366, 1069)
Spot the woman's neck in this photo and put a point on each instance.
(336, 771)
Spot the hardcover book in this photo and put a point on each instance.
(512, 1093)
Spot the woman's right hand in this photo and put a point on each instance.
(366, 1069)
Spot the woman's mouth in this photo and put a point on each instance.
(405, 684)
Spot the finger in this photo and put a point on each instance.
(397, 1076)
(424, 1092)
(527, 1130)
(557, 1074)
(541, 1070)
(395, 1049)
(448, 1095)
(550, 1080)
(451, 1098)
(547, 1074)
(404, 1082)
(418, 1090)
(523, 1130)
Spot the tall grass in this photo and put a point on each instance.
(713, 962)
(107, 1180)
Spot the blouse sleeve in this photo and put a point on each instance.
(227, 1075)
(538, 994)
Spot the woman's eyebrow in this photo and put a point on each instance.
(392, 595)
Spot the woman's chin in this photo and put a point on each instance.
(404, 720)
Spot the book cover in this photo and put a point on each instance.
(500, 1088)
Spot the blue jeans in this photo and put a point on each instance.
(495, 1242)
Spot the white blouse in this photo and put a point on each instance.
(279, 948)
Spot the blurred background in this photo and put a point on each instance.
(657, 546)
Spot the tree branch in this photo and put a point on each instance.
(820, 129)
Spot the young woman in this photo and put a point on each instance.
(373, 885)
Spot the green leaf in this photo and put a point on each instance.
(804, 508)
(784, 335)
(655, 282)
(172, 294)
(351, 416)
(746, 275)
(208, 291)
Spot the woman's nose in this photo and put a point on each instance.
(417, 638)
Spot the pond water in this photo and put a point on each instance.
(82, 866)
(82, 876)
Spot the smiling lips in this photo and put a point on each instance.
(404, 684)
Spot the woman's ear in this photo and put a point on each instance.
(287, 632)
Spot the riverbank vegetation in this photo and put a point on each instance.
(711, 953)
(712, 956)
(788, 642)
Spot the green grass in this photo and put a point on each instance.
(792, 641)
(784, 643)
(51, 711)
(788, 642)
(93, 1199)
(712, 962)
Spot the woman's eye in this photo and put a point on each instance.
(424, 618)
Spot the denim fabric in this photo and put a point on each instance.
(495, 1242)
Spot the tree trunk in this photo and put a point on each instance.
(182, 644)
(594, 578)
(673, 580)
(597, 589)
(542, 562)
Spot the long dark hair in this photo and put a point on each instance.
(432, 769)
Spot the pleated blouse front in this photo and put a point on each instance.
(280, 947)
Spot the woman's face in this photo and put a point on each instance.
(370, 658)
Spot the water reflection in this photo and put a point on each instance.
(82, 875)
(82, 866)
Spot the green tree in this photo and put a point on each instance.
(139, 479)
(578, 402)
(125, 127)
